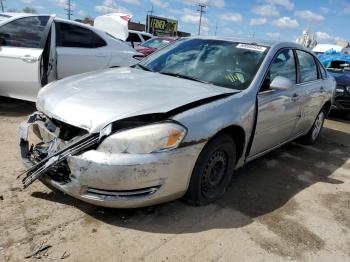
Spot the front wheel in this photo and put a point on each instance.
(212, 172)
(311, 137)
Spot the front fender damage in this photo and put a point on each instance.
(80, 144)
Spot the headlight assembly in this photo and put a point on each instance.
(145, 139)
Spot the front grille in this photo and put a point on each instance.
(343, 102)
(60, 173)
(67, 131)
(121, 194)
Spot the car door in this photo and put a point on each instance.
(79, 49)
(310, 81)
(21, 46)
(278, 110)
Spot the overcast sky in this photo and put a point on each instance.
(279, 19)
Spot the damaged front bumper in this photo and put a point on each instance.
(107, 179)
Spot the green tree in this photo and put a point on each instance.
(88, 20)
(29, 10)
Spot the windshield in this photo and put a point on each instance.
(223, 63)
(156, 43)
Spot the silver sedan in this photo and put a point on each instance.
(175, 125)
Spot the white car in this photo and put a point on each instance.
(38, 49)
(137, 37)
(116, 24)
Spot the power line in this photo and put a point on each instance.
(151, 12)
(201, 12)
(69, 9)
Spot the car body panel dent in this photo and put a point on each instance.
(93, 100)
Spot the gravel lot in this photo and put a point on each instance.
(292, 204)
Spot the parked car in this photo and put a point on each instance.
(137, 37)
(154, 44)
(176, 124)
(38, 49)
(338, 65)
(116, 24)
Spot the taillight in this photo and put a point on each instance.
(125, 17)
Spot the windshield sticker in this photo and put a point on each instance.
(251, 47)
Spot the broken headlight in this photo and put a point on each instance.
(146, 139)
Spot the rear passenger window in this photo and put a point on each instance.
(24, 32)
(323, 71)
(69, 35)
(133, 38)
(308, 68)
(282, 65)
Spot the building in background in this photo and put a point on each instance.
(307, 39)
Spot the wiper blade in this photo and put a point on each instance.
(184, 77)
(144, 68)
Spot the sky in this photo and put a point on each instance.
(266, 19)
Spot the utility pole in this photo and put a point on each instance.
(69, 9)
(2, 5)
(149, 14)
(201, 12)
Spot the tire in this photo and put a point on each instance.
(212, 172)
(311, 137)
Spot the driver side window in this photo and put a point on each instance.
(282, 65)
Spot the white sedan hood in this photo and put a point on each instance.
(93, 100)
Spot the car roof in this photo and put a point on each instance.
(16, 15)
(140, 32)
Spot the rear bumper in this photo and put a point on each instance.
(126, 180)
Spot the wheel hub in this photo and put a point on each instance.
(317, 126)
(214, 172)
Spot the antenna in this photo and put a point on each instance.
(69, 9)
(201, 11)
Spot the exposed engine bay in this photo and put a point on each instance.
(58, 141)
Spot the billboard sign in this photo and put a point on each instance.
(161, 26)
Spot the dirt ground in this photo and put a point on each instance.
(292, 204)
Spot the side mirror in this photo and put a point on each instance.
(281, 83)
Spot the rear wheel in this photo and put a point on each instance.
(212, 172)
(311, 137)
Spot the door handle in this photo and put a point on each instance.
(28, 58)
(295, 97)
(322, 89)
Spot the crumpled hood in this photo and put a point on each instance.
(93, 100)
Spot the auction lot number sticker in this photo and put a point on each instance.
(252, 47)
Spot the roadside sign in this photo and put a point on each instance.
(161, 26)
